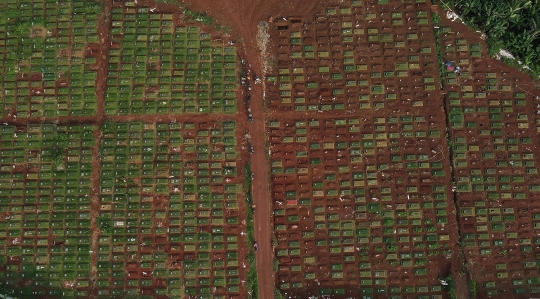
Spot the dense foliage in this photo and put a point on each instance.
(513, 25)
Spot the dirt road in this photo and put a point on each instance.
(261, 198)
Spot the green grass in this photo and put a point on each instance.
(436, 20)
(473, 291)
(46, 169)
(39, 53)
(451, 287)
(50, 184)
(252, 273)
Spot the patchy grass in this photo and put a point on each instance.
(252, 273)
(472, 289)
(450, 288)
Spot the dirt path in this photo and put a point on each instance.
(261, 198)
(101, 83)
(261, 190)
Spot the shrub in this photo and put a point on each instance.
(421, 262)
(449, 286)
(472, 289)
(388, 222)
(58, 158)
(92, 8)
(391, 248)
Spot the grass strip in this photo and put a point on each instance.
(436, 30)
(252, 286)
(450, 286)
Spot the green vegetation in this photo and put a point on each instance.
(437, 31)
(513, 25)
(391, 247)
(247, 181)
(473, 291)
(252, 273)
(105, 225)
(158, 184)
(92, 7)
(450, 288)
(178, 165)
(277, 294)
(50, 38)
(8, 15)
(198, 16)
(56, 232)
(202, 18)
(59, 150)
(20, 31)
(392, 228)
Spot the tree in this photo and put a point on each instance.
(510, 24)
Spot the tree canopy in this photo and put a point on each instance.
(510, 24)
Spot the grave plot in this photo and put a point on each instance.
(48, 55)
(45, 219)
(361, 56)
(158, 65)
(491, 116)
(361, 206)
(169, 220)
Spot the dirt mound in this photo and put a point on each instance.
(262, 41)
